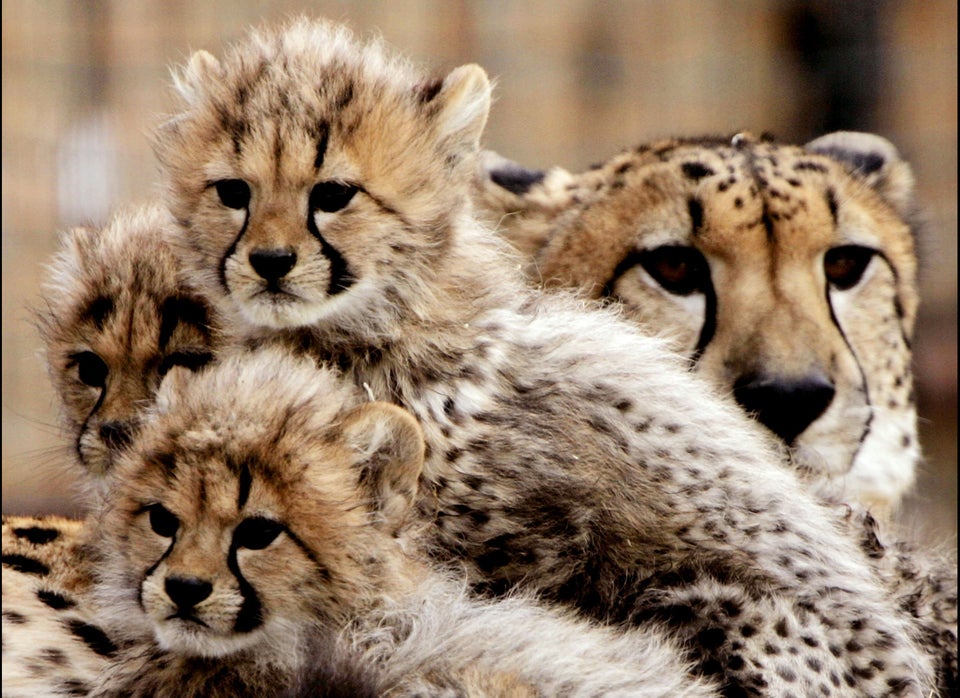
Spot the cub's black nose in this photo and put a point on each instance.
(272, 264)
(785, 406)
(187, 592)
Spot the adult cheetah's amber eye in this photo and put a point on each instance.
(844, 265)
(91, 369)
(678, 269)
(233, 193)
(162, 521)
(256, 533)
(331, 196)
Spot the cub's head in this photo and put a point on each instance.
(259, 501)
(316, 177)
(787, 274)
(115, 316)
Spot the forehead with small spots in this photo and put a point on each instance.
(738, 190)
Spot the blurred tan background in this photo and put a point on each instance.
(85, 80)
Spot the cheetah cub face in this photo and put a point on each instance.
(230, 528)
(115, 316)
(298, 216)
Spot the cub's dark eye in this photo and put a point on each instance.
(679, 269)
(330, 197)
(844, 265)
(256, 533)
(162, 521)
(194, 360)
(233, 193)
(91, 369)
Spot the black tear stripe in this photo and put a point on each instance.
(832, 204)
(150, 570)
(868, 425)
(250, 616)
(709, 327)
(341, 278)
(177, 309)
(37, 535)
(695, 208)
(98, 311)
(27, 565)
(222, 266)
(323, 139)
(92, 636)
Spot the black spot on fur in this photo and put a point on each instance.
(55, 600)
(74, 687)
(711, 638)
(98, 310)
(323, 138)
(516, 179)
(14, 618)
(186, 309)
(810, 166)
(344, 98)
(92, 636)
(27, 565)
(54, 656)
(696, 170)
(36, 534)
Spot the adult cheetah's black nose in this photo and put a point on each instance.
(272, 264)
(785, 406)
(187, 592)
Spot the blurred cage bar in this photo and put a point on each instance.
(84, 81)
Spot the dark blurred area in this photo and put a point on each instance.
(84, 81)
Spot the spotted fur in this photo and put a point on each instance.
(115, 315)
(787, 274)
(568, 453)
(240, 539)
(52, 643)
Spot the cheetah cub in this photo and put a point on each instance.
(264, 511)
(322, 192)
(115, 315)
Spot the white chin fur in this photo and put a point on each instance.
(183, 638)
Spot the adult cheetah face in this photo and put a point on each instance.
(316, 182)
(787, 274)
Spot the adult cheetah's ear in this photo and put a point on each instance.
(201, 70)
(875, 160)
(461, 105)
(389, 447)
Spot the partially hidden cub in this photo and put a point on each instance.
(322, 192)
(259, 538)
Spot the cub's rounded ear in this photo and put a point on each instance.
(875, 160)
(389, 449)
(462, 104)
(201, 70)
